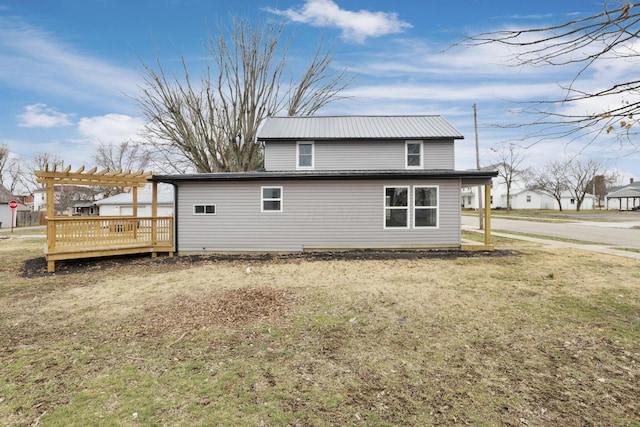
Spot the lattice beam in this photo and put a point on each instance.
(105, 177)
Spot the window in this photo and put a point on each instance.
(396, 207)
(414, 154)
(271, 199)
(425, 207)
(305, 155)
(204, 209)
(528, 199)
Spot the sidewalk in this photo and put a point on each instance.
(18, 232)
(554, 244)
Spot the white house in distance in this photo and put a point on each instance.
(122, 205)
(523, 197)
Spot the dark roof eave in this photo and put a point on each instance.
(327, 175)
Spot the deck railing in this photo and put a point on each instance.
(108, 234)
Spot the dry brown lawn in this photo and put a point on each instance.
(529, 337)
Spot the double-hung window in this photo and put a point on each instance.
(305, 152)
(425, 207)
(271, 199)
(413, 154)
(396, 207)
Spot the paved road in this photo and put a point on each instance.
(618, 234)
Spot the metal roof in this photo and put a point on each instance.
(329, 175)
(357, 127)
(623, 193)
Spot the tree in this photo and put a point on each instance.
(127, 155)
(41, 161)
(4, 159)
(212, 122)
(582, 45)
(551, 179)
(508, 167)
(580, 175)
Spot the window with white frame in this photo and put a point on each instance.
(271, 199)
(396, 207)
(425, 207)
(528, 198)
(305, 155)
(204, 209)
(413, 154)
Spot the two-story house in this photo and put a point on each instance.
(331, 183)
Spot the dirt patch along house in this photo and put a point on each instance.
(339, 182)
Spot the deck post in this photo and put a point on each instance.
(135, 210)
(487, 214)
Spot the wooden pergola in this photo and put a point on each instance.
(86, 237)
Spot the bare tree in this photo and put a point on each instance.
(4, 159)
(509, 167)
(580, 45)
(127, 155)
(580, 176)
(551, 179)
(213, 121)
(40, 161)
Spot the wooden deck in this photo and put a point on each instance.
(84, 237)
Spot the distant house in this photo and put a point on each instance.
(523, 197)
(469, 196)
(625, 197)
(5, 211)
(122, 205)
(331, 182)
(66, 197)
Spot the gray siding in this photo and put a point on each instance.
(439, 155)
(329, 213)
(358, 155)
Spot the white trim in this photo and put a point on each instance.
(313, 155)
(385, 207)
(204, 205)
(406, 154)
(436, 207)
(280, 199)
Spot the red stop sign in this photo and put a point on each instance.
(13, 204)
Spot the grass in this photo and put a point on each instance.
(540, 337)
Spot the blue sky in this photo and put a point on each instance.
(68, 68)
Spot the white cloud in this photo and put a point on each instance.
(42, 116)
(355, 26)
(111, 128)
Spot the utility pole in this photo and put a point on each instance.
(480, 214)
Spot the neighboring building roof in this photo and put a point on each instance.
(143, 199)
(624, 193)
(467, 176)
(357, 127)
(5, 195)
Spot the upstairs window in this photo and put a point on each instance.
(413, 154)
(271, 199)
(305, 155)
(396, 207)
